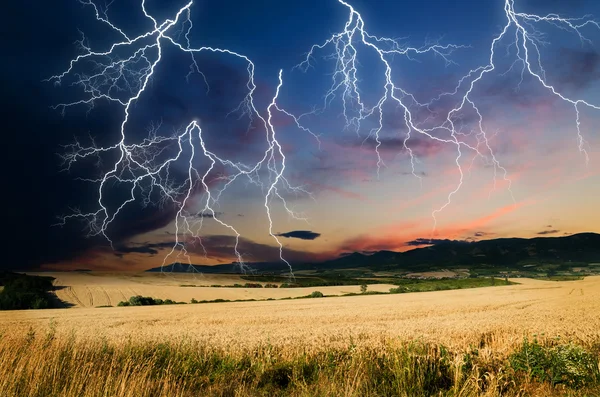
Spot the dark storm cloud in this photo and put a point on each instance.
(418, 173)
(35, 133)
(483, 234)
(32, 134)
(420, 146)
(570, 69)
(219, 247)
(544, 232)
(300, 234)
(427, 241)
(149, 248)
(579, 67)
(209, 215)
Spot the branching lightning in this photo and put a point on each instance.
(123, 80)
(122, 73)
(345, 82)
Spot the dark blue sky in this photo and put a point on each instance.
(38, 40)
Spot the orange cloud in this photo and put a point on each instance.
(397, 235)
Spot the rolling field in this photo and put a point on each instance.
(537, 338)
(108, 289)
(454, 318)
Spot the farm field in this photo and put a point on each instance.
(83, 289)
(537, 338)
(454, 318)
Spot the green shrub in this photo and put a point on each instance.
(565, 364)
(25, 292)
(316, 294)
(139, 300)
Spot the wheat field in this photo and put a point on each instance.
(569, 309)
(94, 289)
(466, 342)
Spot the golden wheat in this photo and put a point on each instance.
(116, 351)
(456, 318)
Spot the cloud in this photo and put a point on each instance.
(208, 214)
(571, 70)
(426, 241)
(300, 234)
(420, 147)
(321, 187)
(482, 234)
(221, 248)
(544, 232)
(579, 67)
(147, 248)
(394, 237)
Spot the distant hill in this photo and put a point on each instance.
(505, 252)
(582, 248)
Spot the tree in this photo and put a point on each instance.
(363, 288)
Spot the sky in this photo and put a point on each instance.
(350, 199)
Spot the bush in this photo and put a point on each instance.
(565, 364)
(25, 292)
(139, 300)
(290, 285)
(316, 294)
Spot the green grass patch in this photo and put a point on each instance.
(411, 285)
(563, 278)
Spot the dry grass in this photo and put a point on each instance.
(249, 339)
(454, 318)
(47, 365)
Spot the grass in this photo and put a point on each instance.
(408, 285)
(563, 278)
(462, 344)
(48, 365)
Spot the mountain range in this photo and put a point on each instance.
(509, 253)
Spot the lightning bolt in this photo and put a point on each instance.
(123, 79)
(346, 84)
(122, 73)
